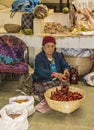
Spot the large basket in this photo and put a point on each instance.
(64, 106)
(12, 28)
(83, 64)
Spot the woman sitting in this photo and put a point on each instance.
(50, 67)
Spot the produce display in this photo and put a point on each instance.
(40, 11)
(64, 94)
(80, 28)
(88, 20)
(84, 24)
(27, 31)
(65, 10)
(55, 28)
(13, 116)
(65, 99)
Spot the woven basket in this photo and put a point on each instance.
(12, 28)
(64, 106)
(83, 64)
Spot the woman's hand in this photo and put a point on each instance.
(66, 73)
(61, 76)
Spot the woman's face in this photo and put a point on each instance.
(49, 48)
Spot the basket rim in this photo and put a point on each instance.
(11, 24)
(76, 56)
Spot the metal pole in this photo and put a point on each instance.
(68, 4)
(60, 5)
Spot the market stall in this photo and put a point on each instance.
(59, 25)
(65, 39)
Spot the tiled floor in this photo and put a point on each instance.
(81, 119)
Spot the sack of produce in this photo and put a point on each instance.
(89, 78)
(13, 117)
(25, 102)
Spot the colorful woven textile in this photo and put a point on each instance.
(13, 41)
(20, 68)
(12, 55)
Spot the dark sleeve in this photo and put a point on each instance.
(42, 67)
(64, 64)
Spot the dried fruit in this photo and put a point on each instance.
(65, 95)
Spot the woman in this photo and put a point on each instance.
(49, 66)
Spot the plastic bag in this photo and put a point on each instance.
(23, 6)
(13, 117)
(89, 79)
(24, 101)
(76, 52)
